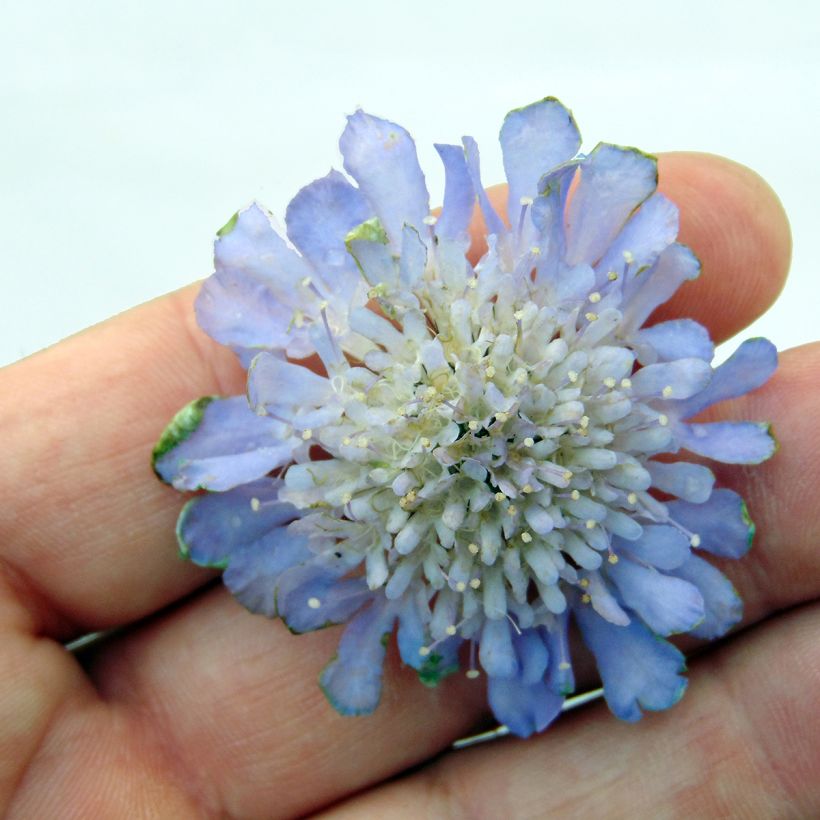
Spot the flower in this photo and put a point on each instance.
(468, 452)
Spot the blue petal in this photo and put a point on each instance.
(250, 300)
(560, 677)
(648, 232)
(722, 523)
(411, 636)
(459, 195)
(496, 651)
(318, 219)
(291, 392)
(524, 708)
(352, 682)
(660, 546)
(667, 605)
(213, 527)
(491, 219)
(533, 656)
(534, 139)
(254, 570)
(381, 157)
(683, 377)
(733, 442)
(676, 265)
(637, 668)
(222, 445)
(746, 369)
(548, 218)
(613, 182)
(313, 596)
(691, 482)
(723, 605)
(677, 339)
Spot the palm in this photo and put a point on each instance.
(200, 709)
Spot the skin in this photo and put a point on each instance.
(198, 709)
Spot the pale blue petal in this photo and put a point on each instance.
(649, 231)
(219, 444)
(411, 635)
(677, 339)
(381, 157)
(290, 391)
(491, 219)
(660, 546)
(533, 656)
(667, 605)
(638, 669)
(750, 366)
(613, 182)
(523, 708)
(682, 377)
(459, 194)
(496, 651)
(352, 682)
(213, 527)
(733, 442)
(314, 595)
(691, 482)
(560, 677)
(724, 608)
(722, 523)
(676, 265)
(318, 219)
(534, 139)
(547, 213)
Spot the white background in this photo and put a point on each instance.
(130, 132)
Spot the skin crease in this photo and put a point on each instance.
(203, 710)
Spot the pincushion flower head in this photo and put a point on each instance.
(471, 455)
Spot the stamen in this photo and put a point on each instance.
(613, 559)
(473, 548)
(572, 375)
(575, 495)
(609, 382)
(490, 371)
(527, 489)
(632, 498)
(590, 524)
(663, 420)
(475, 583)
(695, 540)
(500, 496)
(314, 603)
(667, 391)
(529, 442)
(430, 220)
(512, 509)
(628, 257)
(307, 435)
(591, 317)
(526, 537)
(255, 504)
(595, 297)
(612, 276)
(473, 424)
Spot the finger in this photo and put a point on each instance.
(740, 744)
(249, 692)
(84, 515)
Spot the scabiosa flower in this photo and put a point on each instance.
(467, 453)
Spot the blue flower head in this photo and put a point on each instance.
(465, 452)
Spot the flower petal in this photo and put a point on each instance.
(672, 380)
(459, 195)
(491, 218)
(750, 366)
(733, 442)
(667, 605)
(722, 523)
(613, 182)
(314, 595)
(213, 527)
(496, 652)
(290, 392)
(659, 546)
(638, 670)
(523, 708)
(723, 605)
(675, 339)
(352, 681)
(533, 656)
(534, 139)
(381, 157)
(216, 444)
(319, 219)
(560, 677)
(691, 482)
(676, 265)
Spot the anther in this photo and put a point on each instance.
(628, 257)
(255, 504)
(472, 674)
(609, 382)
(567, 475)
(502, 416)
(590, 316)
(475, 583)
(362, 442)
(563, 666)
(613, 559)
(527, 489)
(472, 283)
(663, 420)
(424, 441)
(590, 524)
(324, 304)
(626, 383)
(583, 583)
(584, 422)
(612, 276)
(451, 630)
(500, 496)
(695, 540)
(572, 375)
(512, 509)
(473, 548)
(307, 435)
(525, 200)
(594, 297)
(490, 371)
(424, 651)
(347, 441)
(575, 495)
(667, 391)
(306, 282)
(586, 598)
(518, 315)
(632, 498)
(526, 537)
(529, 442)
(314, 603)
(461, 586)
(430, 220)
(473, 424)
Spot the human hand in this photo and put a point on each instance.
(198, 708)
